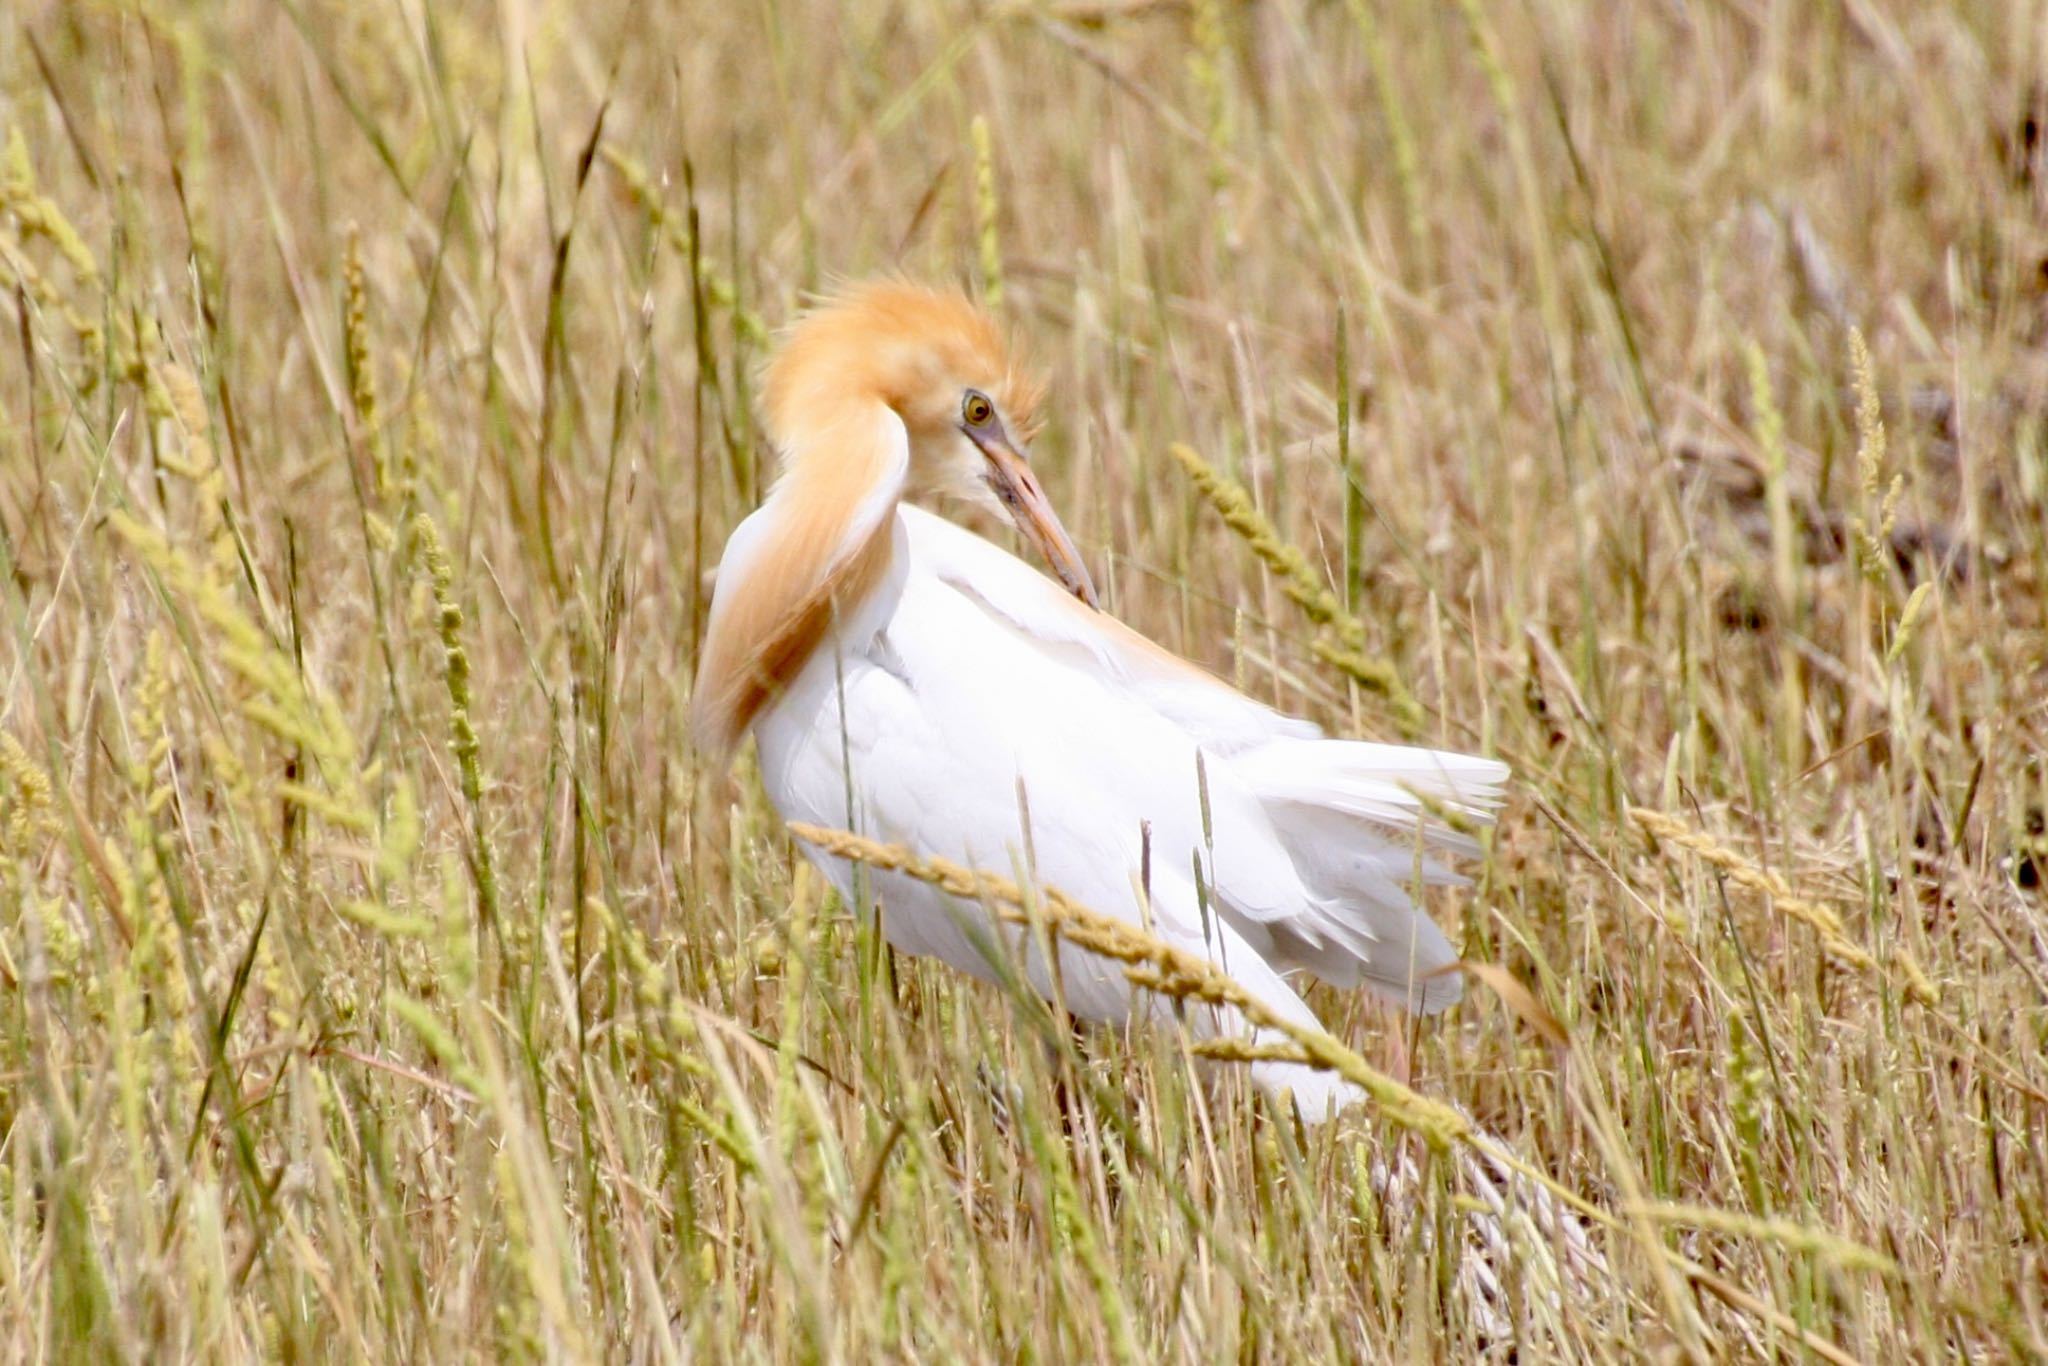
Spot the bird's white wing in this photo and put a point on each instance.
(1221, 718)
(1312, 841)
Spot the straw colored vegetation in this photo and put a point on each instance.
(1651, 395)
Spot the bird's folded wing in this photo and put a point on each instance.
(1314, 840)
(1220, 718)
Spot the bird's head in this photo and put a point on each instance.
(940, 364)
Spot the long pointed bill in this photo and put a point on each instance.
(1018, 487)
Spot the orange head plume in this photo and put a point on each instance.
(912, 347)
(940, 364)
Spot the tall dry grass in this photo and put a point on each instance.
(1653, 396)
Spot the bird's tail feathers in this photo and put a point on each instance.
(1394, 786)
(1361, 823)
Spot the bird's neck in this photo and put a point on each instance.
(817, 548)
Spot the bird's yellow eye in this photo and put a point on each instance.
(975, 409)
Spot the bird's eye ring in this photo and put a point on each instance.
(975, 409)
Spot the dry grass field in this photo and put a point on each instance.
(1657, 391)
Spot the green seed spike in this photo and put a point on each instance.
(985, 213)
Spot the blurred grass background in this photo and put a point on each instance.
(382, 976)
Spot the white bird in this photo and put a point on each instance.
(910, 681)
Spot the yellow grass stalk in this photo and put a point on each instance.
(362, 379)
(463, 741)
(36, 214)
(1825, 921)
(1407, 161)
(27, 815)
(1785, 579)
(1836, 1251)
(985, 213)
(1208, 58)
(282, 700)
(675, 231)
(1341, 642)
(1871, 538)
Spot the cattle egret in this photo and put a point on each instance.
(910, 681)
